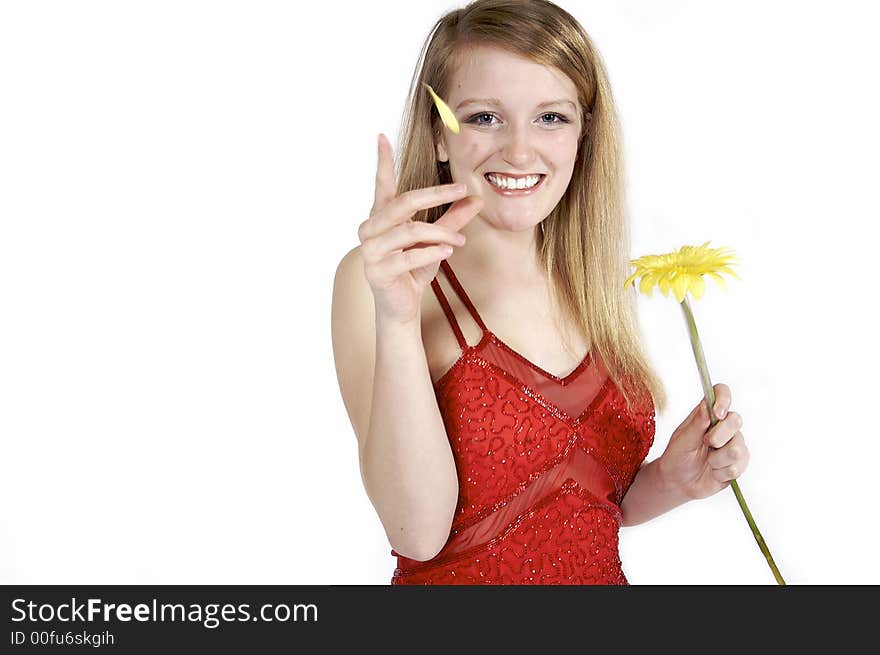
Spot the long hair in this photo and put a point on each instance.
(585, 242)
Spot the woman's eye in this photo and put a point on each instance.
(562, 119)
(553, 115)
(475, 118)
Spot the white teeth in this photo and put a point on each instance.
(511, 183)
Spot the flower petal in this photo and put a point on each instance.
(680, 285)
(719, 279)
(445, 112)
(663, 283)
(698, 287)
(725, 269)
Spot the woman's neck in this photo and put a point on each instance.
(503, 257)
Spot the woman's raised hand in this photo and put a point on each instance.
(401, 256)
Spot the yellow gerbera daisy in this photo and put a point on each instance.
(682, 270)
(445, 112)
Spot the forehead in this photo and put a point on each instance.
(487, 71)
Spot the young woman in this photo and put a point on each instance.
(504, 418)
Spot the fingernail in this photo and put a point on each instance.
(720, 412)
(459, 187)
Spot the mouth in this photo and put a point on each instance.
(503, 185)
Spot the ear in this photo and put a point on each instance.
(442, 155)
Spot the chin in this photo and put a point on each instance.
(512, 223)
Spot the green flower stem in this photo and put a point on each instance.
(710, 402)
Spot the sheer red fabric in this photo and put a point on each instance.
(543, 464)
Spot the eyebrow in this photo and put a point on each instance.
(496, 102)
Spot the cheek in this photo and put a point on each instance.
(474, 148)
(564, 145)
(470, 148)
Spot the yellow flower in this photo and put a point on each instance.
(446, 114)
(682, 271)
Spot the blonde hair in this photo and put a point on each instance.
(585, 243)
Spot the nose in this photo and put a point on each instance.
(517, 149)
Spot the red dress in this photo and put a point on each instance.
(543, 464)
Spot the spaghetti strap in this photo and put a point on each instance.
(447, 309)
(461, 294)
(450, 316)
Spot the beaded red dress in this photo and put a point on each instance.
(543, 464)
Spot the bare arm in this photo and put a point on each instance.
(700, 460)
(406, 462)
(650, 495)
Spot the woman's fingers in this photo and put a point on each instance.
(722, 400)
(386, 184)
(402, 207)
(411, 234)
(729, 462)
(727, 473)
(392, 266)
(461, 212)
(723, 430)
(401, 256)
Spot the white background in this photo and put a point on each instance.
(179, 180)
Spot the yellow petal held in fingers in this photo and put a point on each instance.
(445, 112)
(682, 271)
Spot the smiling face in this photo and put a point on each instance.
(517, 136)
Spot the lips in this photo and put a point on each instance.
(515, 176)
(517, 192)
